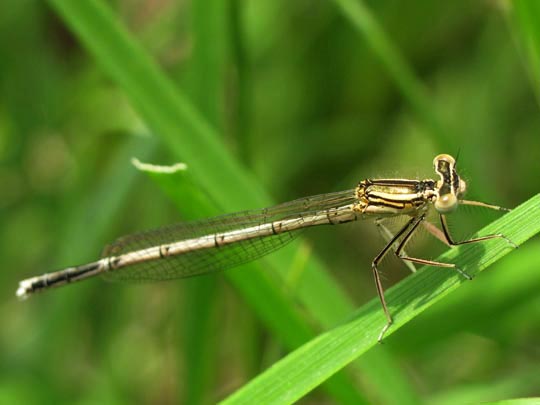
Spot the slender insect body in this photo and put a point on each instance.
(200, 247)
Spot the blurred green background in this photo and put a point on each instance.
(306, 97)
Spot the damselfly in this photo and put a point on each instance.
(200, 247)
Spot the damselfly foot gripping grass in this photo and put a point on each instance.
(199, 247)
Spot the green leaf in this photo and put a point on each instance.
(305, 368)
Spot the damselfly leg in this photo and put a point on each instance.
(407, 232)
(450, 241)
(387, 236)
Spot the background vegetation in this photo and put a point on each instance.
(264, 102)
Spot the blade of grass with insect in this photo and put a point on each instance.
(183, 191)
(183, 129)
(315, 361)
(175, 120)
(203, 81)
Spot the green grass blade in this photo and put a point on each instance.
(203, 76)
(490, 391)
(203, 81)
(200, 352)
(498, 292)
(305, 368)
(412, 89)
(526, 21)
(517, 401)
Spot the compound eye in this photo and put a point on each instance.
(443, 157)
(446, 203)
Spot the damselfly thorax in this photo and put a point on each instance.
(199, 247)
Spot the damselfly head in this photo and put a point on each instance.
(450, 187)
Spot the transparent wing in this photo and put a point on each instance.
(213, 259)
